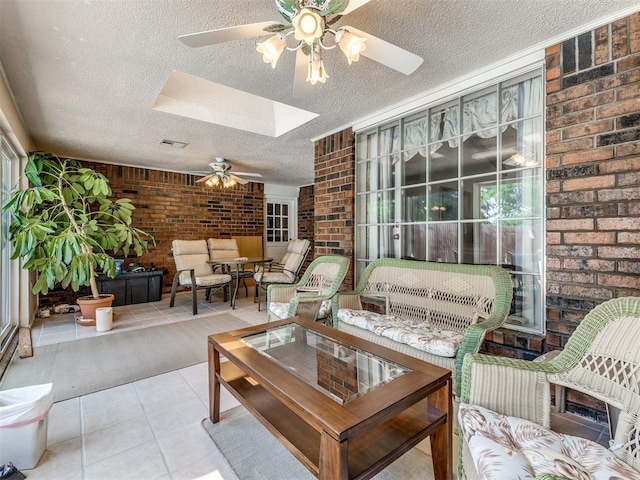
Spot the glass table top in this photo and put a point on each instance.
(338, 370)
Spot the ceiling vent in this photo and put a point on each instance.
(173, 143)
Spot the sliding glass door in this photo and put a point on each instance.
(7, 158)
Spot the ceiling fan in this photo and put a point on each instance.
(221, 175)
(310, 23)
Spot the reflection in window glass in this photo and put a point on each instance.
(479, 243)
(479, 153)
(479, 199)
(522, 144)
(414, 241)
(443, 242)
(443, 201)
(415, 204)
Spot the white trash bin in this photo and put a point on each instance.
(104, 319)
(24, 413)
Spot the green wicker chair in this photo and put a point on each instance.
(318, 285)
(467, 299)
(601, 359)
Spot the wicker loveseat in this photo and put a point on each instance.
(437, 312)
(505, 411)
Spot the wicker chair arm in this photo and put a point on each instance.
(509, 386)
(340, 300)
(280, 292)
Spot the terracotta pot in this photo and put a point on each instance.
(88, 307)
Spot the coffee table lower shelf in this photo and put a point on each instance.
(367, 454)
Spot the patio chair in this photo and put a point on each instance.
(193, 271)
(286, 271)
(505, 410)
(311, 296)
(224, 249)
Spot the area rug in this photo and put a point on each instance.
(88, 365)
(255, 454)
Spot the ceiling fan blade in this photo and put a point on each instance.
(204, 179)
(353, 4)
(301, 88)
(239, 180)
(387, 53)
(221, 35)
(247, 174)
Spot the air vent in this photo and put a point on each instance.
(173, 143)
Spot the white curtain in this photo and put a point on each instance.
(480, 116)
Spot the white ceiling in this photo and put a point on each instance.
(86, 73)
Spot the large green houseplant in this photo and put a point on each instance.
(65, 226)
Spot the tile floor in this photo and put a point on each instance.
(150, 429)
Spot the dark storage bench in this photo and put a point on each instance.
(129, 288)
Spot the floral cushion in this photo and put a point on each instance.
(281, 309)
(420, 335)
(513, 448)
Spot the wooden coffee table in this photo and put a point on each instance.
(345, 407)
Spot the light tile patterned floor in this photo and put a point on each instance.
(150, 429)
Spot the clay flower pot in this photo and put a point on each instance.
(88, 307)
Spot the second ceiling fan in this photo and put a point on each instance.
(310, 24)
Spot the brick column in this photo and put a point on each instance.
(593, 179)
(334, 195)
(593, 173)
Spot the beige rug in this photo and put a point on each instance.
(255, 454)
(84, 366)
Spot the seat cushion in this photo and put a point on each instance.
(510, 447)
(207, 280)
(420, 335)
(274, 277)
(281, 309)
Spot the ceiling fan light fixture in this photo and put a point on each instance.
(308, 26)
(317, 73)
(272, 49)
(351, 45)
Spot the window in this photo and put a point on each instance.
(460, 182)
(277, 222)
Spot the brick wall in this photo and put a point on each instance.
(593, 178)
(334, 197)
(593, 173)
(172, 206)
(306, 219)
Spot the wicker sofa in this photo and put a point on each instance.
(437, 312)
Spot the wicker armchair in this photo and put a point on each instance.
(311, 296)
(601, 359)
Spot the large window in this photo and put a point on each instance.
(460, 182)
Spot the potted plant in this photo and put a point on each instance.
(66, 227)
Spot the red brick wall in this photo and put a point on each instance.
(306, 219)
(172, 206)
(334, 197)
(593, 179)
(593, 173)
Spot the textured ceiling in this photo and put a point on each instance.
(85, 73)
